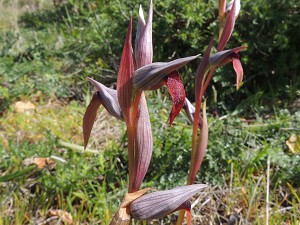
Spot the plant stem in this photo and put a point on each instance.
(180, 217)
(131, 163)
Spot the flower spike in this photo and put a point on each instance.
(161, 203)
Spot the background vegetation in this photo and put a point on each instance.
(47, 49)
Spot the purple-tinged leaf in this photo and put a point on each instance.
(124, 81)
(89, 117)
(228, 28)
(125, 97)
(143, 42)
(202, 70)
(161, 203)
(176, 90)
(200, 149)
(143, 143)
(150, 77)
(109, 99)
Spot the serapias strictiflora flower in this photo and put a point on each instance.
(223, 57)
(103, 96)
(161, 203)
(155, 75)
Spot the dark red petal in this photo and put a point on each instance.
(228, 28)
(89, 117)
(124, 82)
(176, 90)
(237, 66)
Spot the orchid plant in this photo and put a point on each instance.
(137, 73)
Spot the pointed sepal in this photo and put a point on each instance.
(124, 81)
(89, 117)
(237, 9)
(109, 99)
(228, 27)
(150, 77)
(201, 147)
(143, 41)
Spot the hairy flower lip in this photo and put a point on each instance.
(149, 76)
(109, 99)
(158, 204)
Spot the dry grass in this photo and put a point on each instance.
(246, 205)
(106, 131)
(63, 121)
(12, 10)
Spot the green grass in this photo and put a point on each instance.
(82, 183)
(46, 54)
(90, 185)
